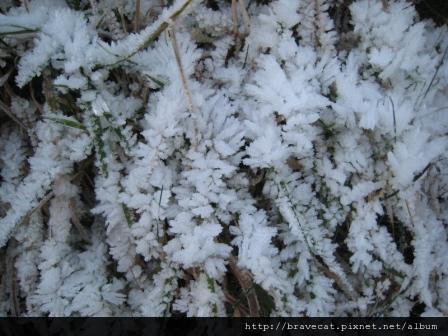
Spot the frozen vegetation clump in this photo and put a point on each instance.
(223, 158)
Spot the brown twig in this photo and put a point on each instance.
(234, 18)
(411, 217)
(236, 304)
(137, 16)
(244, 278)
(122, 19)
(152, 37)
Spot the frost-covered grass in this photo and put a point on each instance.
(223, 158)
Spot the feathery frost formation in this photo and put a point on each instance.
(288, 160)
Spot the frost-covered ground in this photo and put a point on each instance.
(215, 158)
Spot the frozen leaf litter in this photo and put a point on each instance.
(223, 158)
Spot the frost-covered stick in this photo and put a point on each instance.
(187, 92)
(45, 200)
(313, 247)
(54, 155)
(156, 33)
(185, 87)
(41, 203)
